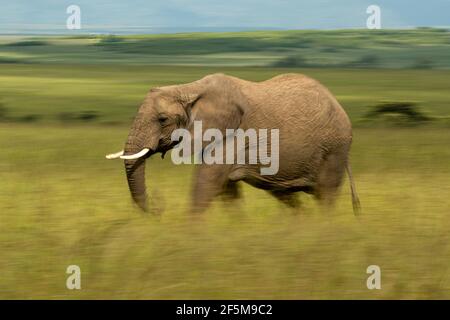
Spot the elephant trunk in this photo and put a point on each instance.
(135, 170)
(139, 138)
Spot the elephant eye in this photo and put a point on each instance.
(162, 119)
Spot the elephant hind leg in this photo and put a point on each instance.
(231, 196)
(330, 179)
(290, 199)
(231, 191)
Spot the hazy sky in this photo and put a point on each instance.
(210, 14)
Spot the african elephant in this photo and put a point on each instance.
(315, 135)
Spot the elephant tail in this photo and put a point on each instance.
(355, 199)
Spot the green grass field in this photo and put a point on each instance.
(51, 93)
(62, 203)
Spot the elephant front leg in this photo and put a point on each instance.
(209, 182)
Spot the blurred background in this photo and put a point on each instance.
(68, 96)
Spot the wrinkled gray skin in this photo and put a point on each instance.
(315, 135)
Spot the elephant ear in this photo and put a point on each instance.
(189, 99)
(216, 103)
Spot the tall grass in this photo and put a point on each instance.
(61, 203)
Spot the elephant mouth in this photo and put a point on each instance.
(169, 147)
(174, 144)
(144, 153)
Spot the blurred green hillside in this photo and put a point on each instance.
(419, 48)
(103, 78)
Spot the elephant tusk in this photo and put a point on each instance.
(114, 155)
(136, 155)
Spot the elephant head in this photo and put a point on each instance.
(164, 110)
(160, 114)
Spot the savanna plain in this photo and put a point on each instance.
(62, 203)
